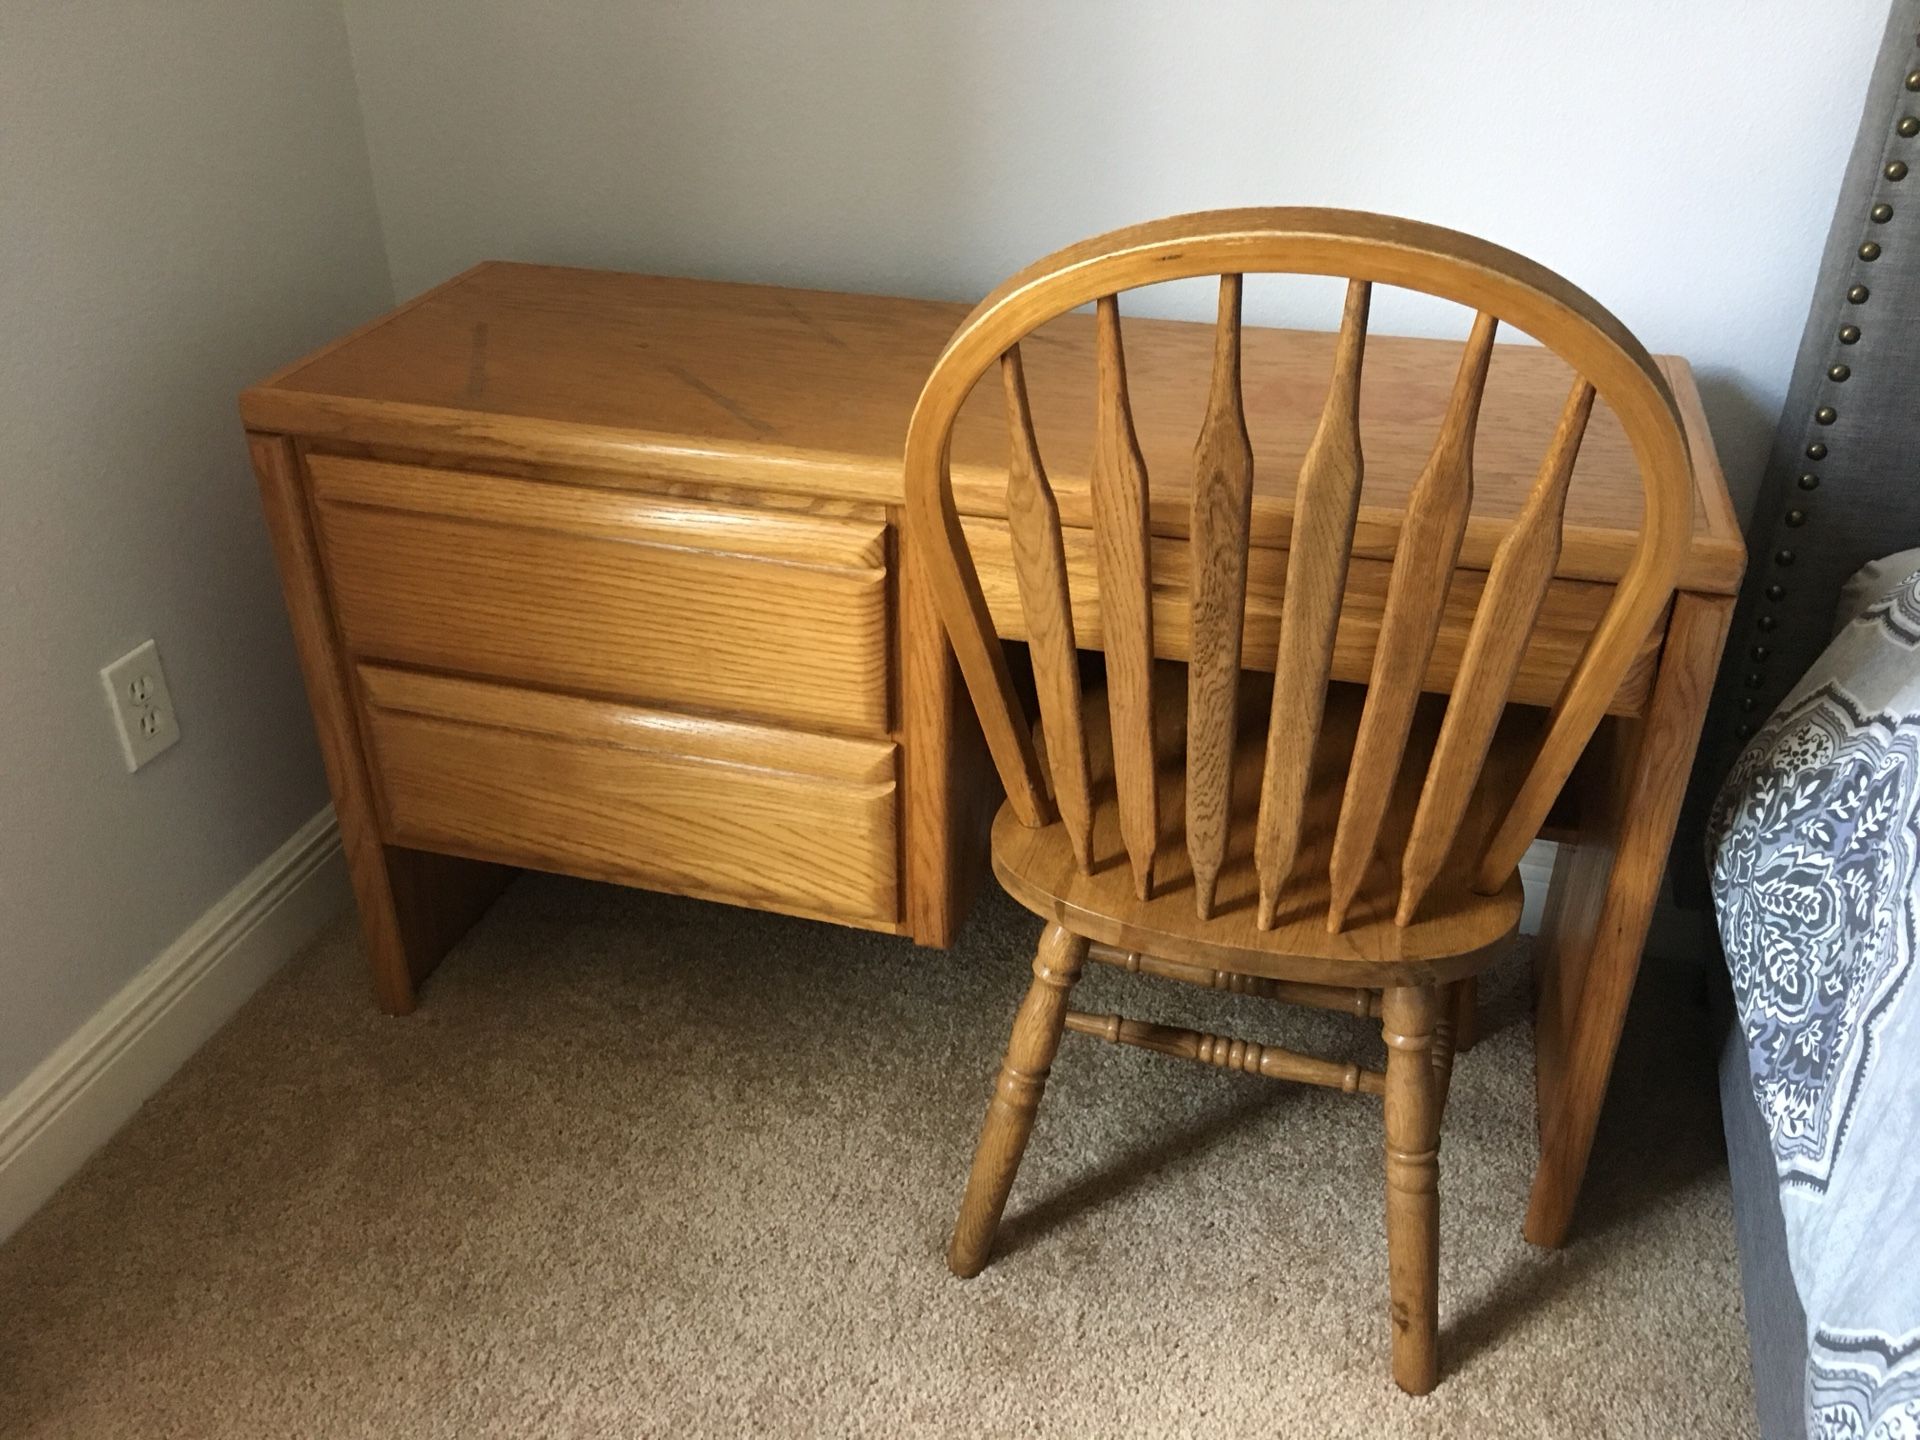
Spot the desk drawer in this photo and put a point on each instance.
(769, 818)
(1567, 616)
(775, 616)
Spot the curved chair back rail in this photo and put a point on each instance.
(1502, 288)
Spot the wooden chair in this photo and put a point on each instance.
(1361, 853)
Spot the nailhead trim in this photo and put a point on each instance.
(1893, 170)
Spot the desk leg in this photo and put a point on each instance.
(1605, 886)
(950, 790)
(413, 905)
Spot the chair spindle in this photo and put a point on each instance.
(1436, 521)
(1040, 563)
(1516, 586)
(1222, 500)
(1326, 502)
(1119, 490)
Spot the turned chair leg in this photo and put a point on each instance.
(1016, 1099)
(1413, 1184)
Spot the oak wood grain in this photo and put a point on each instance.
(1361, 247)
(1456, 935)
(597, 390)
(561, 367)
(1325, 506)
(1224, 1052)
(1413, 1185)
(1416, 595)
(1126, 599)
(1605, 886)
(666, 602)
(1566, 621)
(1350, 1000)
(949, 790)
(412, 906)
(603, 513)
(1329, 848)
(1222, 496)
(1516, 586)
(1016, 1098)
(1033, 521)
(752, 814)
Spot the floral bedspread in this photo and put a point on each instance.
(1814, 849)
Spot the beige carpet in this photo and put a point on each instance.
(642, 1166)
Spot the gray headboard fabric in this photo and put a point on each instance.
(1842, 484)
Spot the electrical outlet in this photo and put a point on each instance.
(142, 708)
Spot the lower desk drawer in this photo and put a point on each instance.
(775, 819)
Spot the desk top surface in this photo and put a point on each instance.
(810, 391)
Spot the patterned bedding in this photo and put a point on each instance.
(1813, 849)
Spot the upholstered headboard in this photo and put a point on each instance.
(1843, 481)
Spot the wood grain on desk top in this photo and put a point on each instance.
(810, 391)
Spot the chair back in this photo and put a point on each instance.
(1367, 250)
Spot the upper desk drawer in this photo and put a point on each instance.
(772, 615)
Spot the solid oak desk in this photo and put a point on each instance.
(604, 574)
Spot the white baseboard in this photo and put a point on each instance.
(75, 1099)
(1536, 873)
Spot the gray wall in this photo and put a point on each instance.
(1678, 160)
(184, 204)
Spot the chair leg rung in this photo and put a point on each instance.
(1273, 1061)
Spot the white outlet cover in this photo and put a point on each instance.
(142, 705)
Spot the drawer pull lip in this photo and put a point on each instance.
(576, 509)
(664, 753)
(855, 764)
(876, 571)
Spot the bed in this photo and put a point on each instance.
(1815, 857)
(1810, 842)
